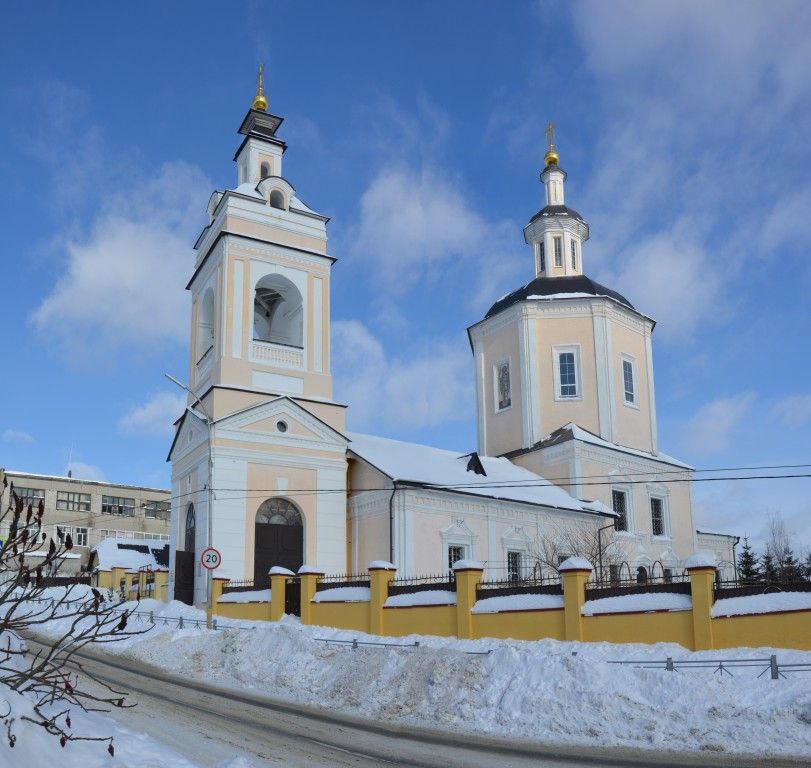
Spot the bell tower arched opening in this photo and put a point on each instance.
(278, 312)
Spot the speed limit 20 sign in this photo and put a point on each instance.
(210, 558)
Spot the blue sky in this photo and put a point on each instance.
(418, 127)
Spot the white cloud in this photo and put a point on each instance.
(429, 387)
(84, 471)
(122, 289)
(794, 410)
(710, 429)
(155, 417)
(16, 436)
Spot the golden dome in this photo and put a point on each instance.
(259, 101)
(551, 156)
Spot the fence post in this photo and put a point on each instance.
(217, 584)
(575, 572)
(468, 574)
(308, 576)
(702, 577)
(380, 574)
(774, 668)
(278, 587)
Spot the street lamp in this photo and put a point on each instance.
(612, 524)
(209, 527)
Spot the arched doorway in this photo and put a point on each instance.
(184, 559)
(641, 575)
(279, 538)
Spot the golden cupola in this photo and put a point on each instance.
(260, 101)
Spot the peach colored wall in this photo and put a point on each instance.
(353, 616)
(427, 620)
(633, 427)
(790, 629)
(520, 625)
(276, 234)
(658, 627)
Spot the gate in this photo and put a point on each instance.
(292, 597)
(276, 545)
(184, 577)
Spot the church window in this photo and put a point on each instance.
(541, 257)
(278, 511)
(558, 243)
(281, 426)
(567, 374)
(191, 530)
(619, 503)
(264, 170)
(574, 254)
(205, 324)
(456, 552)
(514, 565)
(657, 516)
(277, 199)
(278, 312)
(628, 381)
(503, 385)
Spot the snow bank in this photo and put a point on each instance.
(771, 603)
(649, 601)
(428, 597)
(251, 596)
(343, 595)
(517, 603)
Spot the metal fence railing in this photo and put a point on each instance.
(516, 585)
(596, 589)
(334, 581)
(768, 664)
(438, 581)
(740, 588)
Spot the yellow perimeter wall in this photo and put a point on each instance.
(694, 629)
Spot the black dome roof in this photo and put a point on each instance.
(556, 210)
(549, 286)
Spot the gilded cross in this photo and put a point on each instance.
(550, 134)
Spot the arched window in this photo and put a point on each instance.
(278, 312)
(277, 199)
(205, 323)
(264, 170)
(278, 511)
(191, 529)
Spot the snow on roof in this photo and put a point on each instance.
(447, 470)
(578, 433)
(110, 555)
(12, 473)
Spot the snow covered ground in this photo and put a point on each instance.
(555, 692)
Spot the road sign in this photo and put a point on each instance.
(210, 558)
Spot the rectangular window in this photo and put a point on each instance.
(503, 386)
(77, 534)
(619, 503)
(456, 553)
(541, 257)
(117, 505)
(614, 573)
(514, 566)
(73, 502)
(574, 254)
(157, 509)
(567, 370)
(628, 381)
(657, 517)
(558, 241)
(30, 496)
(667, 575)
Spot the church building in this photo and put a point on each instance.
(264, 470)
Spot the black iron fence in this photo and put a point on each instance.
(531, 585)
(342, 580)
(741, 588)
(721, 667)
(245, 585)
(597, 589)
(405, 586)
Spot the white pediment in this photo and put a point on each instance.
(193, 433)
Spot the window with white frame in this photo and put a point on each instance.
(118, 505)
(31, 496)
(456, 552)
(78, 534)
(567, 372)
(619, 503)
(541, 257)
(514, 565)
(658, 523)
(558, 245)
(574, 254)
(73, 502)
(502, 385)
(629, 381)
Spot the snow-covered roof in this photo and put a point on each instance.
(112, 553)
(12, 473)
(447, 470)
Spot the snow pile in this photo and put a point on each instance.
(701, 560)
(528, 602)
(343, 595)
(648, 601)
(250, 596)
(529, 690)
(428, 597)
(278, 570)
(382, 565)
(575, 564)
(771, 603)
(468, 565)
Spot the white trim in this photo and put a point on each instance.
(601, 342)
(627, 489)
(532, 383)
(318, 324)
(277, 382)
(481, 408)
(237, 292)
(651, 394)
(662, 493)
(558, 350)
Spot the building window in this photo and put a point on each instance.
(619, 503)
(190, 539)
(73, 502)
(574, 254)
(277, 199)
(456, 552)
(117, 505)
(566, 363)
(31, 496)
(264, 170)
(541, 257)
(657, 516)
(667, 575)
(503, 385)
(157, 509)
(628, 381)
(514, 565)
(614, 573)
(641, 575)
(558, 242)
(77, 534)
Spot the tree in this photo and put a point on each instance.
(560, 541)
(789, 569)
(807, 567)
(48, 678)
(748, 570)
(768, 567)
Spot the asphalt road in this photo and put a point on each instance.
(211, 724)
